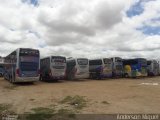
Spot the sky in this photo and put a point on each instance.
(84, 28)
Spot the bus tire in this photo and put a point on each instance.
(10, 79)
(40, 78)
(72, 76)
(13, 79)
(90, 76)
(44, 78)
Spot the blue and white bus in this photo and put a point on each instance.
(135, 67)
(22, 65)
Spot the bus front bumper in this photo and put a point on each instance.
(26, 79)
(84, 76)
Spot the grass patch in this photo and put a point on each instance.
(40, 113)
(4, 107)
(105, 102)
(63, 113)
(77, 101)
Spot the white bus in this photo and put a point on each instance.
(107, 67)
(117, 69)
(53, 68)
(77, 68)
(152, 67)
(100, 68)
(22, 65)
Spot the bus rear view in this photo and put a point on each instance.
(117, 67)
(58, 67)
(22, 65)
(27, 68)
(53, 68)
(96, 68)
(107, 67)
(77, 68)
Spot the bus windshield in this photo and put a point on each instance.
(82, 61)
(118, 60)
(29, 60)
(143, 62)
(119, 67)
(58, 62)
(1, 69)
(130, 62)
(95, 62)
(148, 62)
(107, 61)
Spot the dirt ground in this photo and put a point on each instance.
(121, 95)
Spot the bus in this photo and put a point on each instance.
(53, 68)
(107, 67)
(95, 68)
(100, 68)
(117, 67)
(77, 68)
(1, 70)
(158, 67)
(152, 67)
(135, 67)
(22, 65)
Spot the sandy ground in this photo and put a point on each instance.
(123, 95)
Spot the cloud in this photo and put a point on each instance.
(95, 28)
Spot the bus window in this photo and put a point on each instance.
(58, 62)
(107, 61)
(29, 63)
(95, 62)
(82, 61)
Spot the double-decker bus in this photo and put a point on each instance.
(77, 68)
(152, 67)
(135, 67)
(22, 65)
(117, 67)
(53, 68)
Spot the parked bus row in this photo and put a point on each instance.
(25, 65)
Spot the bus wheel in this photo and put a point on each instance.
(40, 78)
(43, 78)
(10, 79)
(71, 77)
(90, 76)
(13, 79)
